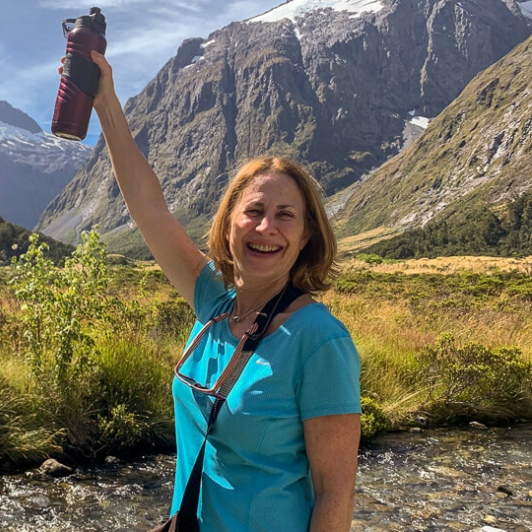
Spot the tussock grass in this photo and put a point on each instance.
(473, 264)
(23, 438)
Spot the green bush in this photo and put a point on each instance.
(101, 386)
(373, 419)
(60, 307)
(472, 380)
(370, 259)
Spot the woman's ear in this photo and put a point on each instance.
(305, 239)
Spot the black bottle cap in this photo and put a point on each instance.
(98, 20)
(95, 21)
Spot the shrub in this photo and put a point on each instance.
(373, 418)
(474, 380)
(59, 305)
(370, 258)
(101, 394)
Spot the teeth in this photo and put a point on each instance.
(263, 248)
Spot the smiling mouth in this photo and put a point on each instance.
(260, 248)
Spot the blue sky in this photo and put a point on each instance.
(141, 36)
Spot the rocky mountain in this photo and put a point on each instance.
(478, 151)
(340, 84)
(34, 166)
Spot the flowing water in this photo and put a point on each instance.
(436, 480)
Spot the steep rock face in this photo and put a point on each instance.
(477, 150)
(34, 166)
(333, 87)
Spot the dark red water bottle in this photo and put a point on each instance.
(79, 82)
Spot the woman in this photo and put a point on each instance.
(283, 452)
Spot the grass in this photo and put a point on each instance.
(481, 299)
(398, 313)
(436, 338)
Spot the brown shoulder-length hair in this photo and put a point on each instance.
(316, 263)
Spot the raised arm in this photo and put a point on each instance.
(172, 248)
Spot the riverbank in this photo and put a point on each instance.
(87, 350)
(446, 480)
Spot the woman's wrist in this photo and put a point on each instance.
(108, 108)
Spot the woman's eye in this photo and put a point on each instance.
(286, 214)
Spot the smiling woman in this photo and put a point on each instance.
(276, 371)
(280, 197)
(267, 230)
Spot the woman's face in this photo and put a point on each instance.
(267, 228)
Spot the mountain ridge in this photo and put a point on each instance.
(15, 117)
(333, 88)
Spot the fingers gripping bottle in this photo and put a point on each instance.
(79, 81)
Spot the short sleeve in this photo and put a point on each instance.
(209, 293)
(330, 380)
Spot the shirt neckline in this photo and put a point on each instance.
(235, 340)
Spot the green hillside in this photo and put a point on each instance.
(454, 186)
(14, 242)
(474, 229)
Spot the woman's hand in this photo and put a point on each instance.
(106, 88)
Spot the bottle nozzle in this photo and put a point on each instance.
(98, 19)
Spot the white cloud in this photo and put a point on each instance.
(106, 4)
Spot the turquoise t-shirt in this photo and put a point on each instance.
(256, 475)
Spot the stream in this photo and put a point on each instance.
(472, 479)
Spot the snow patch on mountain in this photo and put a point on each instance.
(39, 149)
(298, 8)
(35, 167)
(526, 9)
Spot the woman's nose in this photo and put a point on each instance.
(267, 224)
